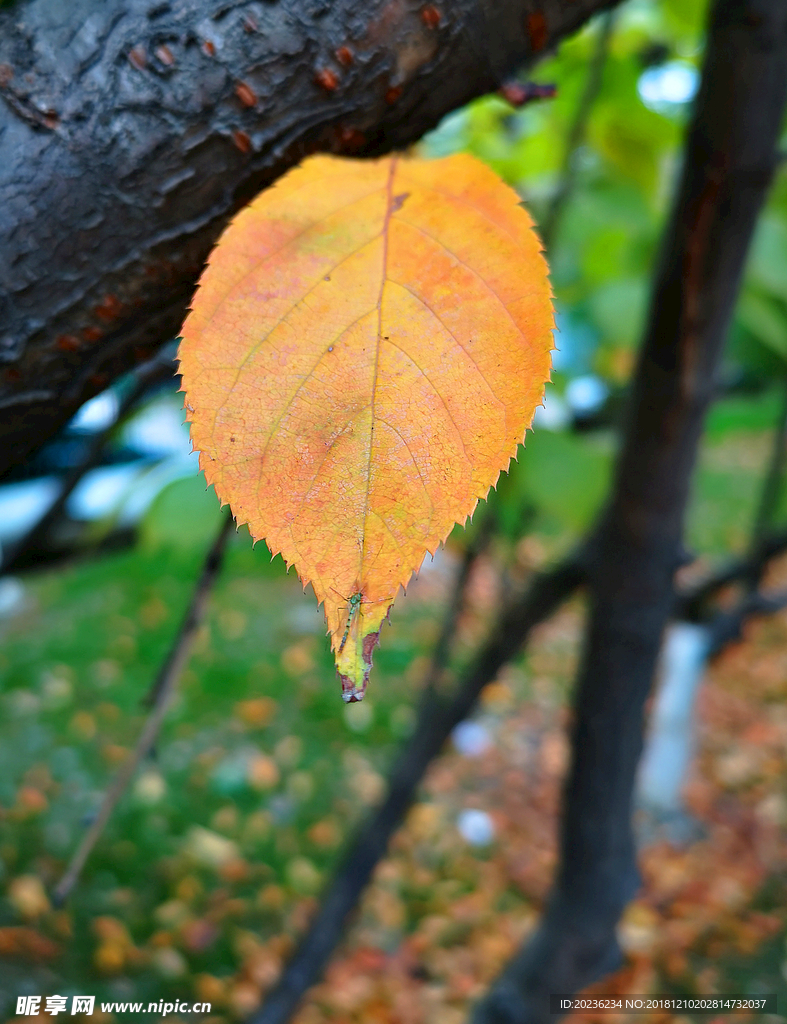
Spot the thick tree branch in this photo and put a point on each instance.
(729, 161)
(132, 130)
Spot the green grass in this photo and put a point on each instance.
(75, 666)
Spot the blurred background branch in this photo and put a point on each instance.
(159, 699)
(728, 166)
(24, 552)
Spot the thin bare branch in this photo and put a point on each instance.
(518, 94)
(161, 696)
(690, 604)
(576, 135)
(726, 627)
(157, 370)
(764, 544)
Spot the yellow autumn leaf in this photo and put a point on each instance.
(364, 354)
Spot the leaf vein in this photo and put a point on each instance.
(410, 453)
(473, 271)
(294, 238)
(283, 319)
(425, 304)
(383, 278)
(470, 206)
(436, 390)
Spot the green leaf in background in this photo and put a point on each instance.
(765, 319)
(619, 310)
(743, 413)
(184, 515)
(567, 476)
(767, 257)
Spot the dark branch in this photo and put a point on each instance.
(160, 697)
(729, 162)
(436, 719)
(576, 135)
(726, 627)
(158, 370)
(131, 131)
(769, 497)
(691, 604)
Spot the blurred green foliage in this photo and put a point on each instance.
(602, 258)
(603, 253)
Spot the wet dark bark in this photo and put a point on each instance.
(729, 162)
(131, 130)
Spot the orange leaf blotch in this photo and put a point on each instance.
(363, 357)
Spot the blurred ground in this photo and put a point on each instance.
(213, 862)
